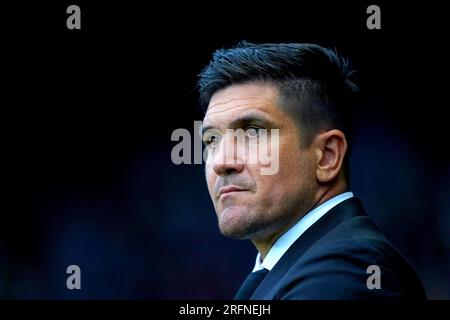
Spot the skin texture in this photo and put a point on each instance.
(266, 205)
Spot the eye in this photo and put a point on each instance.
(211, 140)
(252, 132)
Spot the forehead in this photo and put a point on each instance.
(240, 99)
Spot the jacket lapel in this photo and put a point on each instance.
(345, 210)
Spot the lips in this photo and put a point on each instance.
(228, 189)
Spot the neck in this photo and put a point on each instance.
(265, 243)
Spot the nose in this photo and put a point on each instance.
(227, 159)
(225, 169)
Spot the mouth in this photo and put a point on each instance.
(229, 190)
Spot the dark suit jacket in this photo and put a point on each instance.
(330, 260)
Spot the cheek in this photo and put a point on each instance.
(294, 160)
(210, 178)
(293, 176)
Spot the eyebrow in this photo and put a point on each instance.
(250, 118)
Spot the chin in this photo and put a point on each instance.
(234, 233)
(234, 223)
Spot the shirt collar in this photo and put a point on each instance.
(283, 243)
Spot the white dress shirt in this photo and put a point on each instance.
(283, 243)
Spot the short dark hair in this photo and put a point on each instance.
(314, 83)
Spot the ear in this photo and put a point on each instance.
(331, 147)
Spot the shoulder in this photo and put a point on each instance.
(339, 266)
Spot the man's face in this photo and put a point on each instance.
(248, 204)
